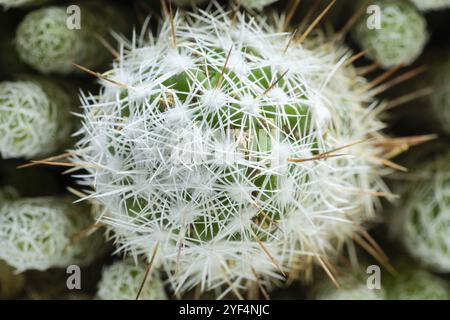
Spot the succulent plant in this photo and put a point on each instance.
(41, 233)
(45, 42)
(34, 118)
(417, 284)
(123, 279)
(21, 3)
(426, 5)
(422, 217)
(206, 153)
(401, 38)
(248, 4)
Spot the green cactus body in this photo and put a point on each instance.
(41, 233)
(45, 41)
(401, 38)
(422, 220)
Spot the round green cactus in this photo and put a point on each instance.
(422, 220)
(401, 38)
(34, 118)
(194, 154)
(21, 3)
(426, 5)
(41, 233)
(45, 41)
(417, 284)
(122, 280)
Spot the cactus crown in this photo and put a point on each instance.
(192, 155)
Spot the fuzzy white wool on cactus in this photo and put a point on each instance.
(191, 156)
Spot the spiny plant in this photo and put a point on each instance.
(352, 286)
(401, 38)
(248, 4)
(426, 5)
(417, 284)
(45, 42)
(213, 149)
(20, 3)
(41, 233)
(423, 216)
(123, 279)
(34, 118)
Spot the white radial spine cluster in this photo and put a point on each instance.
(423, 215)
(42, 233)
(123, 279)
(427, 5)
(207, 155)
(400, 38)
(34, 118)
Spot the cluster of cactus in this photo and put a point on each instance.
(224, 151)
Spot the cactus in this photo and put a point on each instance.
(417, 284)
(426, 5)
(248, 4)
(402, 37)
(21, 3)
(122, 280)
(190, 154)
(41, 233)
(423, 215)
(34, 118)
(46, 43)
